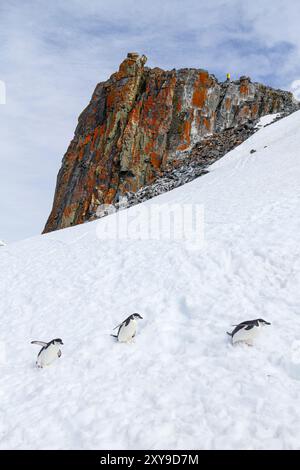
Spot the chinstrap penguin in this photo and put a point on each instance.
(127, 329)
(246, 331)
(49, 352)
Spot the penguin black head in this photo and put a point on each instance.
(57, 341)
(263, 322)
(136, 316)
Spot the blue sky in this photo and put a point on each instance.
(52, 54)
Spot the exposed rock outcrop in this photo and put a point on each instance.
(205, 153)
(142, 123)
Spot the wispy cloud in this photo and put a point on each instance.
(52, 54)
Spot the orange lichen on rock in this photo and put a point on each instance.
(186, 136)
(87, 139)
(110, 196)
(245, 111)
(207, 123)
(200, 90)
(199, 97)
(254, 111)
(244, 89)
(155, 159)
(227, 103)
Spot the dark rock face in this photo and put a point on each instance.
(141, 124)
(205, 153)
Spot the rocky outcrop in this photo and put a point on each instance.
(205, 153)
(142, 123)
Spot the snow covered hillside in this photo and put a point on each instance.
(181, 384)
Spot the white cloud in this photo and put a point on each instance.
(54, 53)
(295, 89)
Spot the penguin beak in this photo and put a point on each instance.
(267, 323)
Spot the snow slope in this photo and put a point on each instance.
(181, 384)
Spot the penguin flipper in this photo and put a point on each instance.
(59, 353)
(39, 343)
(124, 322)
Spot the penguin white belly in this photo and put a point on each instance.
(127, 332)
(245, 336)
(48, 355)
